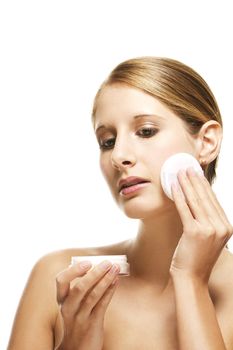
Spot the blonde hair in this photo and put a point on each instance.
(174, 84)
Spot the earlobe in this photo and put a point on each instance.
(210, 138)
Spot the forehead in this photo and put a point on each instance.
(121, 102)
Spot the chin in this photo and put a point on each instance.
(137, 208)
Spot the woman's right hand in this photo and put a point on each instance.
(84, 297)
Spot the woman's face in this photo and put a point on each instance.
(136, 134)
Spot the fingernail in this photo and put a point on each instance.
(176, 186)
(191, 171)
(85, 264)
(114, 269)
(182, 172)
(105, 265)
(177, 189)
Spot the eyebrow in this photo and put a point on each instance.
(148, 115)
(137, 116)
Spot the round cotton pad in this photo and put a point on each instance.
(171, 167)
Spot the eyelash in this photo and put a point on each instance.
(153, 131)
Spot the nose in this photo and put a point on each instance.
(123, 155)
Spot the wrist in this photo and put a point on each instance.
(186, 278)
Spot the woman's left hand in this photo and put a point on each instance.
(206, 228)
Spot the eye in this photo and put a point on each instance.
(107, 144)
(147, 132)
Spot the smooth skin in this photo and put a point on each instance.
(206, 232)
(83, 305)
(179, 292)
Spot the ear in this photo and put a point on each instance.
(209, 141)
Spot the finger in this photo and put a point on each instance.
(202, 197)
(215, 201)
(100, 309)
(93, 298)
(208, 203)
(65, 277)
(192, 198)
(82, 287)
(181, 205)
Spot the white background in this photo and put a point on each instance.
(54, 55)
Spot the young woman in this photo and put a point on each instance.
(179, 292)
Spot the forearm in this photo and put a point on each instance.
(197, 324)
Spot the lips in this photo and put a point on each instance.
(130, 181)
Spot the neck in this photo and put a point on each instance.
(151, 252)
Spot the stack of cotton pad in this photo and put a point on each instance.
(121, 260)
(171, 167)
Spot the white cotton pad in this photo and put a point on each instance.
(171, 167)
(121, 260)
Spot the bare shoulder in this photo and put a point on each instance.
(38, 310)
(227, 275)
(221, 291)
(221, 281)
(225, 268)
(56, 261)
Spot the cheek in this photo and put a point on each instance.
(105, 169)
(167, 146)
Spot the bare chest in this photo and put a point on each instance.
(138, 320)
